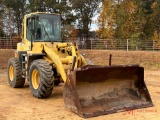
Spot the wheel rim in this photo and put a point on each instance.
(11, 72)
(35, 79)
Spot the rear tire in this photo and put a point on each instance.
(41, 79)
(14, 70)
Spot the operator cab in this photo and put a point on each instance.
(43, 27)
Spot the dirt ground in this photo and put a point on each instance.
(18, 104)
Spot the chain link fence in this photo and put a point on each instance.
(118, 44)
(95, 44)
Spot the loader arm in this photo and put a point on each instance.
(60, 61)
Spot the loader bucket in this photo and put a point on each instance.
(97, 90)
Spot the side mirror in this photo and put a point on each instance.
(33, 19)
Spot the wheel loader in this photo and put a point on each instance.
(45, 60)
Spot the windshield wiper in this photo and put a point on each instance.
(47, 33)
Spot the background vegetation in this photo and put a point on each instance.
(130, 19)
(127, 19)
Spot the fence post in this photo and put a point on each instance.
(127, 44)
(91, 44)
(10, 42)
(153, 45)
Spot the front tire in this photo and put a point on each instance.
(14, 70)
(41, 79)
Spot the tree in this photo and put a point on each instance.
(128, 20)
(133, 19)
(106, 20)
(84, 10)
(69, 32)
(156, 39)
(1, 20)
(14, 12)
(54, 6)
(36, 5)
(154, 18)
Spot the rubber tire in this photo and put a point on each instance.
(46, 79)
(18, 81)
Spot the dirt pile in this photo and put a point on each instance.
(101, 57)
(150, 60)
(5, 54)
